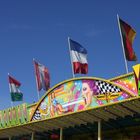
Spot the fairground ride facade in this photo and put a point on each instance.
(79, 108)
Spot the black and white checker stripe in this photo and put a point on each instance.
(104, 87)
(37, 115)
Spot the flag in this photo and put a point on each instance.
(42, 76)
(79, 57)
(136, 70)
(128, 35)
(14, 85)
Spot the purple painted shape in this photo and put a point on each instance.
(92, 86)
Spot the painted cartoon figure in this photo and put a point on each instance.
(88, 92)
(44, 110)
(100, 90)
(55, 106)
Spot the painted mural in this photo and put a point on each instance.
(72, 96)
(78, 95)
(136, 71)
(14, 116)
(31, 110)
(127, 83)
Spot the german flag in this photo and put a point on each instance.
(128, 35)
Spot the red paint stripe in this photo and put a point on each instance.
(126, 29)
(80, 68)
(46, 79)
(14, 81)
(37, 75)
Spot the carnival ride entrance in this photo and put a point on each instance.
(111, 107)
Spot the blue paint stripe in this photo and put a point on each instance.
(75, 46)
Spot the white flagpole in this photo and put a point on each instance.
(10, 90)
(71, 59)
(12, 104)
(126, 66)
(38, 93)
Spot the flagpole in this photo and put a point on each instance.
(126, 66)
(38, 93)
(12, 104)
(71, 58)
(9, 90)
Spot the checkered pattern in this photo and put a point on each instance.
(104, 87)
(37, 116)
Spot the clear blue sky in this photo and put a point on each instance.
(39, 29)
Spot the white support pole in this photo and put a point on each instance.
(33, 135)
(10, 91)
(99, 130)
(12, 104)
(122, 44)
(61, 133)
(10, 138)
(71, 58)
(38, 93)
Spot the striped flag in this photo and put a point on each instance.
(16, 94)
(128, 35)
(42, 76)
(79, 57)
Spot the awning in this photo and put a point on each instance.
(104, 113)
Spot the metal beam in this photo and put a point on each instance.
(99, 130)
(33, 135)
(61, 133)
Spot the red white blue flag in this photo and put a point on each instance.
(42, 76)
(79, 57)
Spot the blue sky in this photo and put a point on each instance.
(39, 29)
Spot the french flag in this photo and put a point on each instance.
(79, 57)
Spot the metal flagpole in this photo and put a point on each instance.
(10, 90)
(71, 58)
(122, 44)
(12, 104)
(38, 93)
